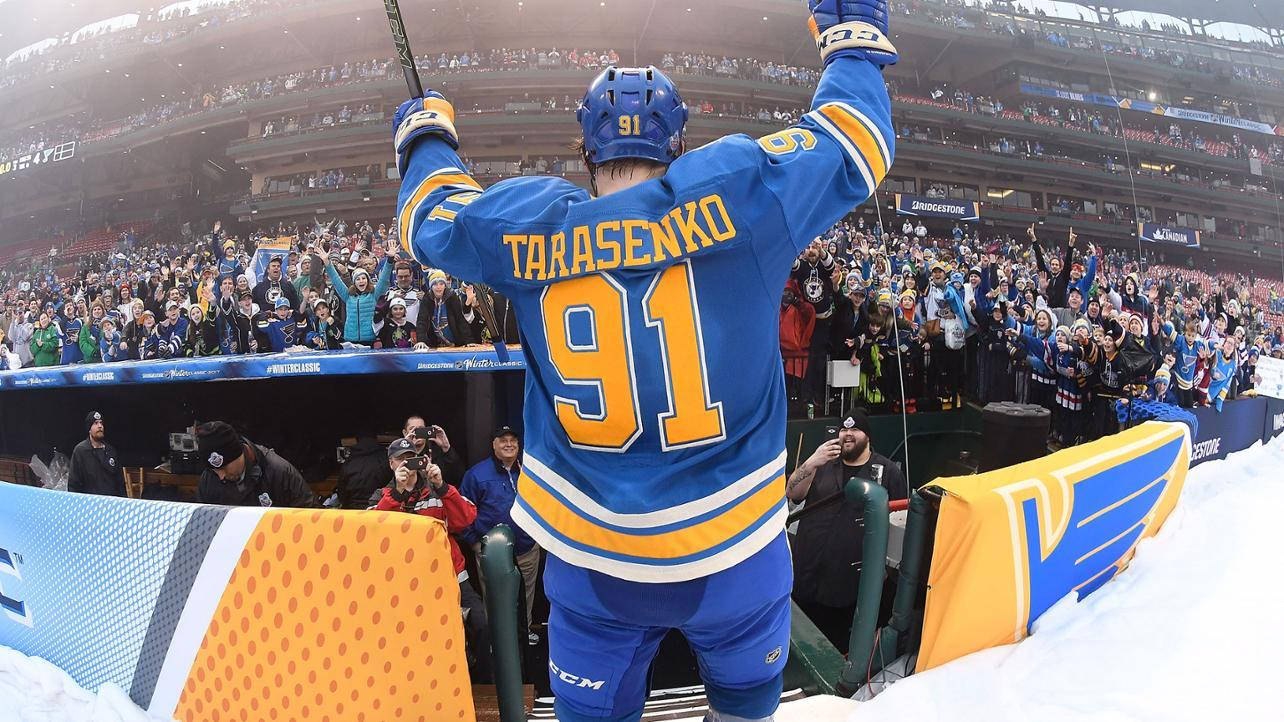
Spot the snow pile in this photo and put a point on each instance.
(33, 690)
(1191, 631)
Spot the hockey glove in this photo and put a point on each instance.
(419, 117)
(852, 28)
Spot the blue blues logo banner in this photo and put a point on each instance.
(1012, 542)
(907, 205)
(1152, 233)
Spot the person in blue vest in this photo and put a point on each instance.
(359, 301)
(492, 485)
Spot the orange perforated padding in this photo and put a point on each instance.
(335, 616)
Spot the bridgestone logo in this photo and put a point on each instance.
(1206, 448)
(295, 368)
(937, 207)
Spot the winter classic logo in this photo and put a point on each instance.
(312, 367)
(216, 459)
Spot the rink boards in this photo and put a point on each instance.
(217, 613)
(1012, 542)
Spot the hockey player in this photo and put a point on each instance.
(654, 463)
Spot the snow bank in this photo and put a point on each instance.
(33, 690)
(1191, 631)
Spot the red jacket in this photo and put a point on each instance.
(447, 504)
(797, 321)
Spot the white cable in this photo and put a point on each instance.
(1123, 133)
(896, 334)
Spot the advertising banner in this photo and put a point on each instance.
(1271, 371)
(907, 205)
(1152, 233)
(207, 613)
(1236, 427)
(1142, 106)
(1012, 542)
(1274, 425)
(262, 366)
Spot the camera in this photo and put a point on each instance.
(417, 463)
(831, 431)
(423, 432)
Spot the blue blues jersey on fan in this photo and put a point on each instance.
(649, 320)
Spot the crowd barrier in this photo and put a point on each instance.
(262, 366)
(217, 613)
(1012, 542)
(1239, 425)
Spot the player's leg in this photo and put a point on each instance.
(740, 635)
(598, 658)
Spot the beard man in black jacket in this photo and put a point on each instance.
(95, 468)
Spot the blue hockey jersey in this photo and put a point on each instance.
(655, 404)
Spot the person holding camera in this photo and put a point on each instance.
(432, 440)
(418, 488)
(827, 546)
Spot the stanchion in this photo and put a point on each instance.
(502, 584)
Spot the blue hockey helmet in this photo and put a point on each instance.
(632, 113)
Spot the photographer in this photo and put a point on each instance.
(827, 547)
(418, 488)
(432, 440)
(241, 473)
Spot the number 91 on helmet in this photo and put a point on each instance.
(632, 113)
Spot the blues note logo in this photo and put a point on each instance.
(10, 579)
(1074, 528)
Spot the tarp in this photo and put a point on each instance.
(908, 205)
(1012, 542)
(261, 366)
(206, 612)
(264, 252)
(1154, 233)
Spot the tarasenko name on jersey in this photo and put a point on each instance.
(621, 243)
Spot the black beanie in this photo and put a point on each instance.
(219, 444)
(857, 419)
(91, 418)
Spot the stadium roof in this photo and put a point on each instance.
(27, 21)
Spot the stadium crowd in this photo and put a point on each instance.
(1084, 331)
(326, 288)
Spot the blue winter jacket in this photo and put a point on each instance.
(493, 489)
(358, 323)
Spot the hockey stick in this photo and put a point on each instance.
(416, 87)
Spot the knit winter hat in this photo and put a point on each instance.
(435, 276)
(219, 444)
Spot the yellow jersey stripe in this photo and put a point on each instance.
(860, 136)
(440, 105)
(425, 187)
(666, 545)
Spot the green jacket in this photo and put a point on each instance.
(44, 345)
(89, 343)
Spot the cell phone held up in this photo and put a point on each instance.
(417, 463)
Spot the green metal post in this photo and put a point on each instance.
(873, 565)
(911, 579)
(502, 584)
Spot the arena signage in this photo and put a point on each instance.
(205, 612)
(52, 154)
(261, 366)
(1012, 542)
(1237, 426)
(907, 205)
(1142, 106)
(1152, 233)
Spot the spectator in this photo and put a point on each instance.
(827, 546)
(364, 475)
(359, 301)
(274, 286)
(110, 346)
(492, 486)
(323, 333)
(95, 468)
(397, 332)
(45, 340)
(418, 488)
(241, 473)
(433, 441)
(441, 316)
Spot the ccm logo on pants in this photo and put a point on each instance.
(572, 679)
